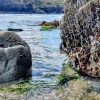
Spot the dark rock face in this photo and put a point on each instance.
(81, 35)
(15, 58)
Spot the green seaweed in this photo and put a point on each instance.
(67, 74)
(21, 87)
(47, 28)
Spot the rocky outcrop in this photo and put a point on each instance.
(54, 23)
(80, 34)
(15, 58)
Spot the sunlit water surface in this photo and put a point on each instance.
(46, 58)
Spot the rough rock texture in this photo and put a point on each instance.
(80, 34)
(15, 58)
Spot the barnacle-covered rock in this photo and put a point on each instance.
(80, 34)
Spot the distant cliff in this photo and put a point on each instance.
(31, 6)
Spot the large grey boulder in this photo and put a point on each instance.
(15, 58)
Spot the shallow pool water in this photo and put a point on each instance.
(46, 58)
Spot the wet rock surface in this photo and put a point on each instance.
(16, 30)
(15, 58)
(54, 23)
(81, 35)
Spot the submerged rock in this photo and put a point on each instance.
(77, 87)
(16, 30)
(12, 22)
(15, 58)
(80, 35)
